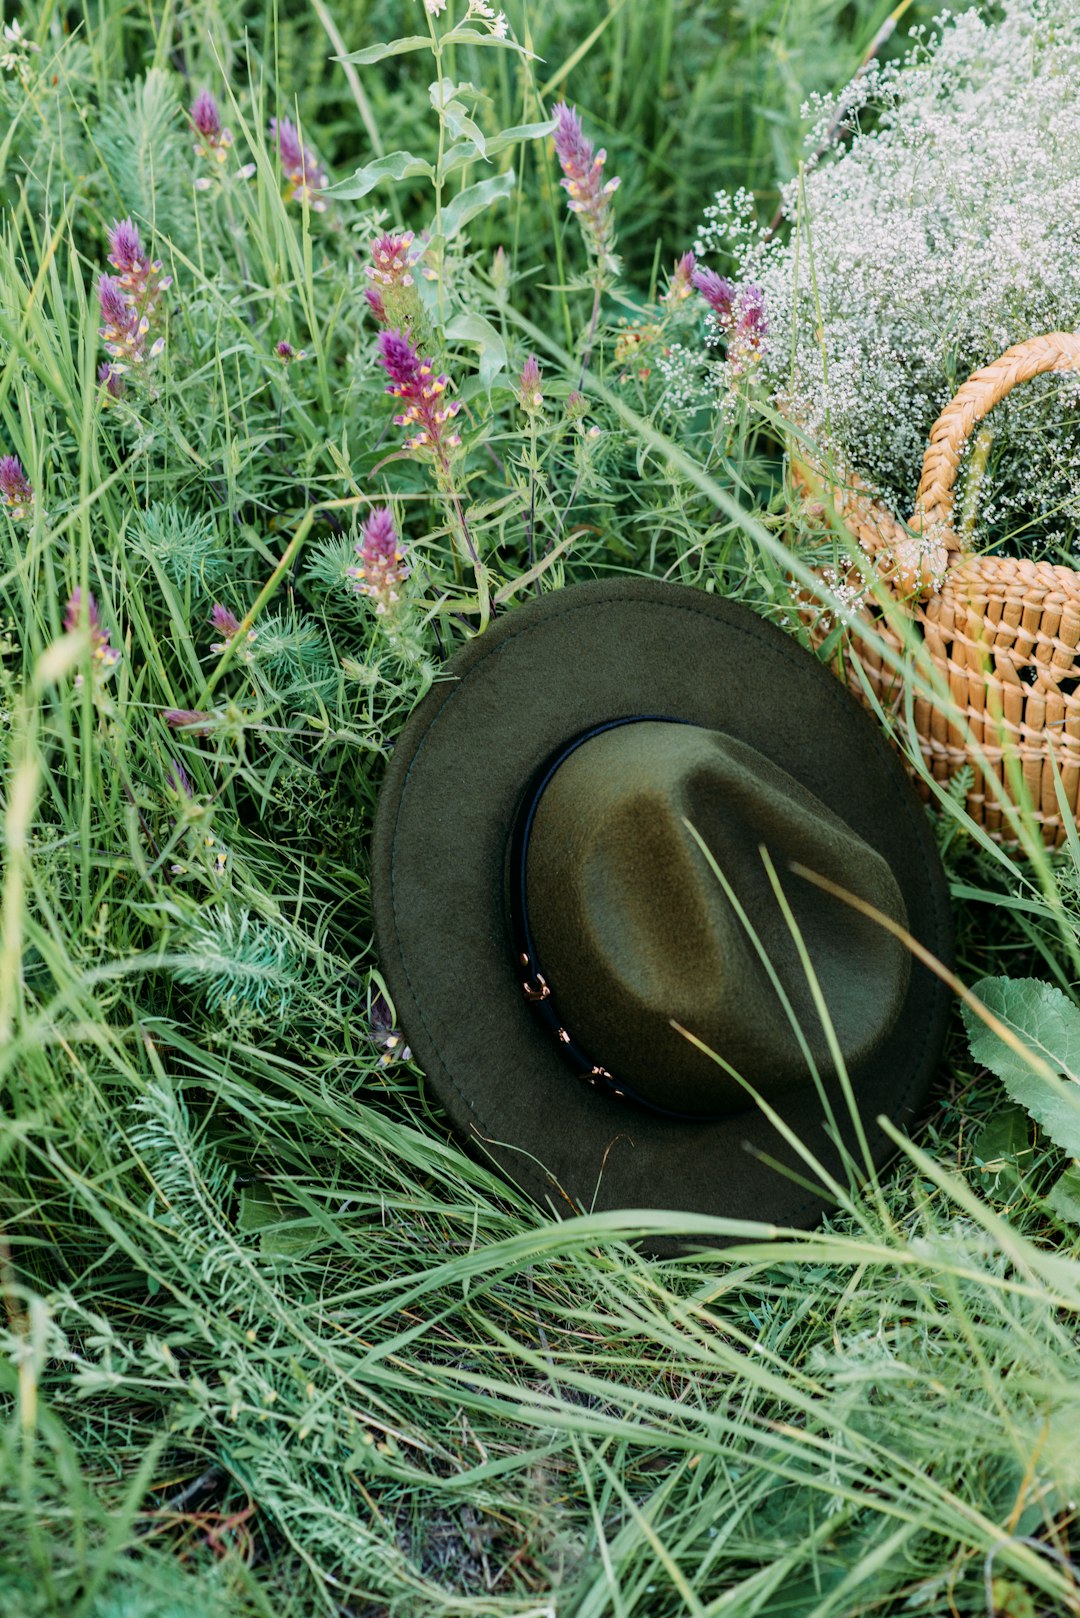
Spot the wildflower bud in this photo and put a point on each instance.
(577, 405)
(179, 779)
(287, 354)
(382, 566)
(301, 167)
(187, 719)
(500, 272)
(532, 400)
(228, 624)
(214, 140)
(105, 657)
(16, 490)
(681, 285)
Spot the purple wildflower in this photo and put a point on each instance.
(681, 285)
(16, 490)
(124, 331)
(305, 174)
(104, 655)
(125, 250)
(719, 294)
(413, 379)
(382, 565)
(383, 1032)
(393, 299)
(223, 619)
(179, 779)
(583, 169)
(229, 625)
(529, 386)
(111, 381)
(392, 260)
(214, 141)
(206, 116)
(187, 719)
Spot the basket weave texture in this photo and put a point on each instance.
(1003, 632)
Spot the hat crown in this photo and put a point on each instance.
(634, 931)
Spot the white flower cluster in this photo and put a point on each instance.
(947, 230)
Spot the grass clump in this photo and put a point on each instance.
(271, 1342)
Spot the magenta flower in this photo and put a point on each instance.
(302, 169)
(681, 285)
(583, 169)
(740, 316)
(382, 565)
(111, 381)
(719, 294)
(393, 299)
(286, 353)
(179, 779)
(104, 655)
(124, 331)
(413, 380)
(188, 719)
(229, 625)
(206, 116)
(141, 281)
(214, 140)
(16, 490)
(529, 392)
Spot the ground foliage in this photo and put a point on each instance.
(271, 1342)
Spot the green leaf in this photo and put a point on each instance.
(469, 328)
(1003, 1149)
(465, 152)
(378, 53)
(1047, 1023)
(395, 166)
(473, 200)
(1064, 1197)
(471, 36)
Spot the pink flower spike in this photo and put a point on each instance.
(16, 490)
(382, 566)
(681, 285)
(224, 620)
(104, 655)
(719, 294)
(125, 249)
(529, 386)
(583, 170)
(187, 719)
(302, 169)
(206, 116)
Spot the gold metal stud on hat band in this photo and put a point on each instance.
(537, 990)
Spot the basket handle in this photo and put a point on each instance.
(1056, 351)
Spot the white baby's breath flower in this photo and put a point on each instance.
(435, 8)
(940, 235)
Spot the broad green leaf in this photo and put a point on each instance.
(377, 53)
(471, 36)
(1064, 1197)
(1048, 1024)
(443, 95)
(464, 152)
(394, 166)
(470, 328)
(473, 200)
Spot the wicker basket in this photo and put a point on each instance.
(1004, 633)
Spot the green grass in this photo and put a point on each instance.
(272, 1343)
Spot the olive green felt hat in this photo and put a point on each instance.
(577, 852)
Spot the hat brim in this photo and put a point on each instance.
(547, 672)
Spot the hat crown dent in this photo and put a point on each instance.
(633, 930)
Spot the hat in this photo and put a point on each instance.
(588, 918)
